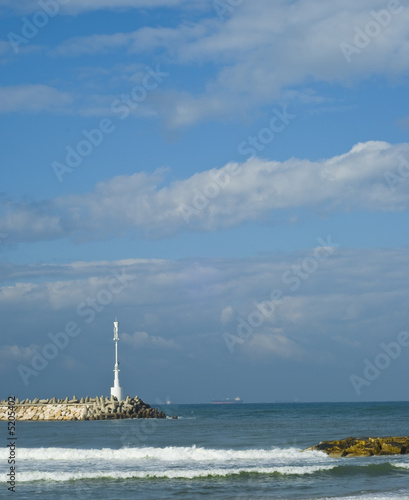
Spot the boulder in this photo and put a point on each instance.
(395, 447)
(364, 447)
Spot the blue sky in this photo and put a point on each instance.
(212, 153)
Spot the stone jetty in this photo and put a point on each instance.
(364, 447)
(98, 408)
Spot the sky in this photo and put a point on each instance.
(229, 179)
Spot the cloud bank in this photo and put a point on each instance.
(353, 299)
(371, 176)
(260, 52)
(263, 51)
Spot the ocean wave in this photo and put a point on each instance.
(59, 476)
(403, 495)
(402, 465)
(70, 464)
(168, 454)
(348, 468)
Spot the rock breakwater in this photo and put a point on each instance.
(98, 408)
(364, 447)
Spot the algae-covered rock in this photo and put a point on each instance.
(364, 447)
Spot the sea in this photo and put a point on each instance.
(226, 452)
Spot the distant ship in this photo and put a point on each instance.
(227, 401)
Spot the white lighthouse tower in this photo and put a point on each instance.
(116, 390)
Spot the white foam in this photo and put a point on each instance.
(402, 465)
(66, 464)
(165, 474)
(374, 496)
(169, 454)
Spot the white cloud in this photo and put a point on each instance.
(226, 315)
(272, 344)
(91, 44)
(252, 191)
(263, 52)
(142, 340)
(17, 352)
(354, 300)
(145, 39)
(347, 288)
(267, 47)
(10, 355)
(73, 7)
(354, 344)
(33, 98)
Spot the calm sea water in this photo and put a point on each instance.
(247, 451)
